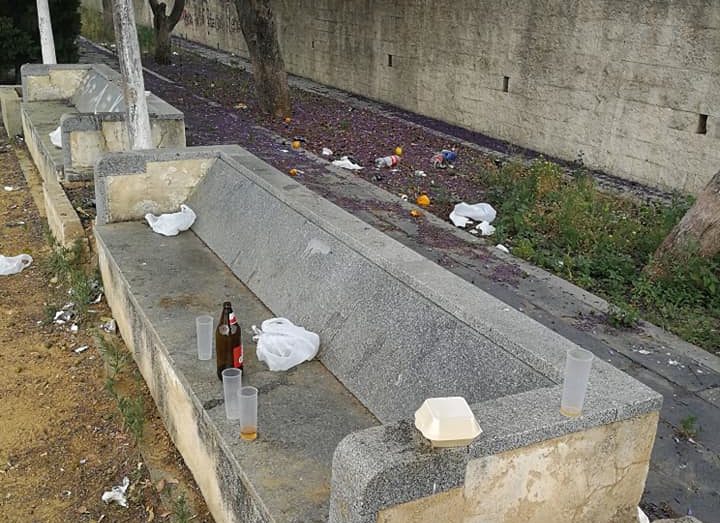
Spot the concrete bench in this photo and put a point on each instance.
(86, 101)
(337, 441)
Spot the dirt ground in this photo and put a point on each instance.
(63, 440)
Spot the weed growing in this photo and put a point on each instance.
(602, 242)
(181, 509)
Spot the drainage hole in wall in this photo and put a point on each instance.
(506, 83)
(702, 124)
(390, 60)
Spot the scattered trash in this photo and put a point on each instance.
(478, 212)
(404, 197)
(287, 119)
(14, 264)
(109, 326)
(10, 188)
(474, 231)
(387, 161)
(644, 352)
(56, 137)
(419, 174)
(641, 517)
(283, 345)
(674, 363)
(415, 213)
(284, 150)
(174, 53)
(327, 152)
(398, 150)
(15, 224)
(443, 159)
(240, 105)
(74, 328)
(293, 172)
(117, 493)
(423, 200)
(97, 299)
(346, 163)
(296, 144)
(81, 349)
(502, 248)
(173, 223)
(66, 314)
(485, 228)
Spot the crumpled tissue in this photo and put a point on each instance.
(14, 264)
(173, 223)
(56, 137)
(346, 163)
(478, 212)
(117, 493)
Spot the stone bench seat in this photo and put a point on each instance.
(86, 101)
(336, 436)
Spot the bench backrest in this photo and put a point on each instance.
(384, 335)
(100, 91)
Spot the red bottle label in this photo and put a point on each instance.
(238, 356)
(233, 319)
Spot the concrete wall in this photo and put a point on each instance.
(622, 83)
(596, 475)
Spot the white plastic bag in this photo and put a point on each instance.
(14, 264)
(56, 138)
(346, 163)
(282, 344)
(485, 228)
(171, 224)
(478, 212)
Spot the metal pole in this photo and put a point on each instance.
(128, 50)
(47, 42)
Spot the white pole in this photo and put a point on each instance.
(47, 42)
(128, 49)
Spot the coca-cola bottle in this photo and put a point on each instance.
(228, 341)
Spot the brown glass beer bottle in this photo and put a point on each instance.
(228, 341)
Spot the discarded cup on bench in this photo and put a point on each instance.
(204, 332)
(577, 372)
(248, 413)
(232, 383)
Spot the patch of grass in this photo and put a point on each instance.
(688, 427)
(602, 242)
(181, 509)
(68, 266)
(133, 414)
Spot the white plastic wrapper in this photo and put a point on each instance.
(281, 344)
(173, 223)
(485, 228)
(327, 152)
(56, 137)
(478, 212)
(117, 493)
(14, 264)
(345, 163)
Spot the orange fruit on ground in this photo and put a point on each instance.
(287, 119)
(398, 150)
(415, 213)
(292, 172)
(423, 200)
(296, 144)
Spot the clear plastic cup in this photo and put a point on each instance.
(232, 383)
(248, 413)
(204, 332)
(577, 372)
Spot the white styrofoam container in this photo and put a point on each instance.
(447, 422)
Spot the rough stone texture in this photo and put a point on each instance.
(10, 106)
(596, 475)
(446, 507)
(87, 103)
(686, 519)
(156, 286)
(163, 178)
(623, 84)
(62, 218)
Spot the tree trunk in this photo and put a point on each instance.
(162, 40)
(108, 29)
(699, 228)
(164, 24)
(257, 22)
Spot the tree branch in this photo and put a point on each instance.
(176, 14)
(155, 7)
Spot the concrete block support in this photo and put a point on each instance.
(10, 106)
